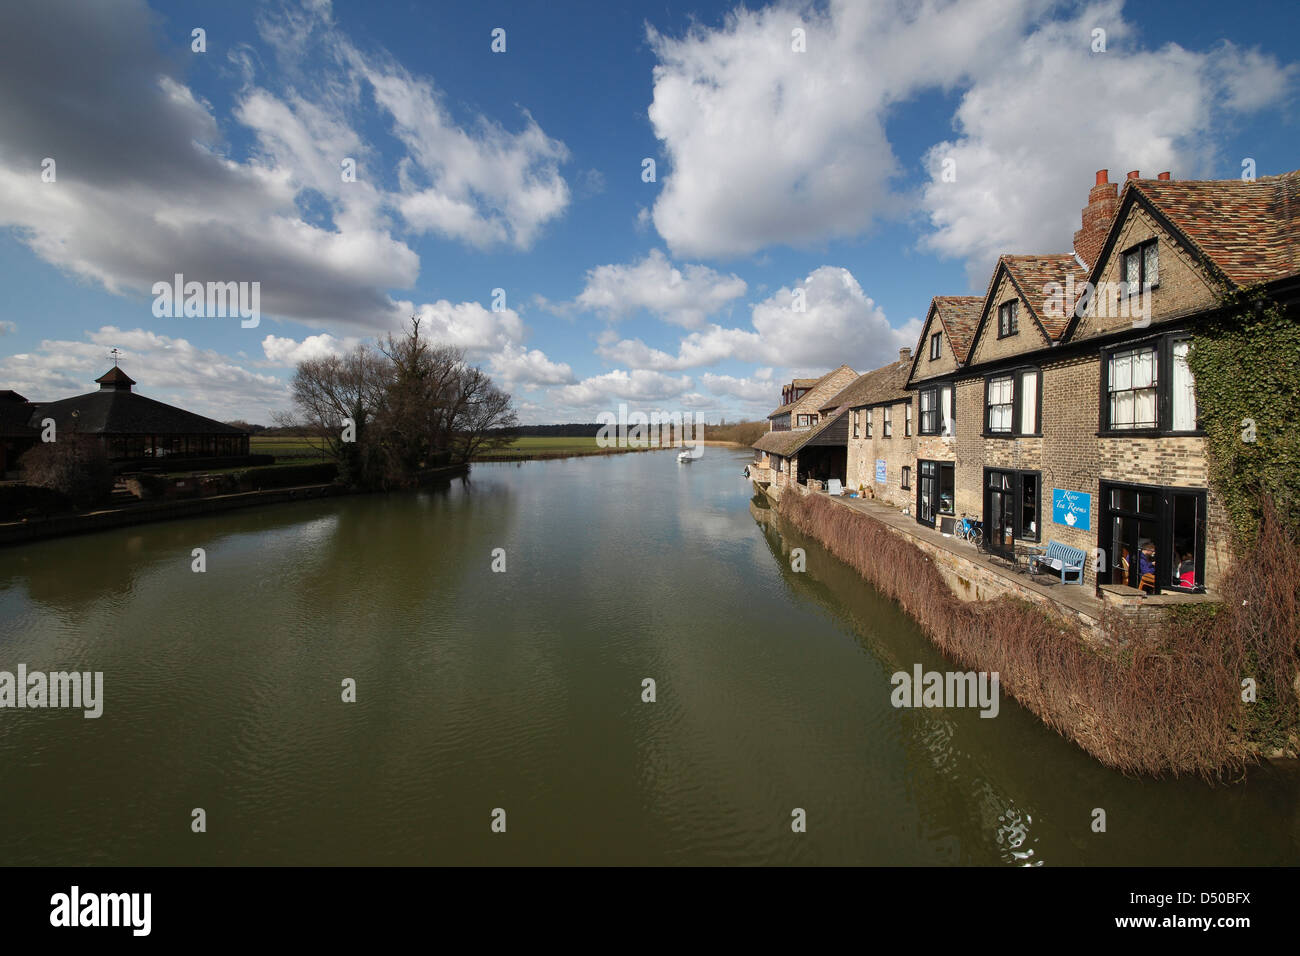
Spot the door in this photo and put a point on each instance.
(1000, 511)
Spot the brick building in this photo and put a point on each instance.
(799, 422)
(1073, 409)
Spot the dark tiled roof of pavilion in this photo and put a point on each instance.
(884, 384)
(1247, 229)
(14, 414)
(116, 410)
(959, 315)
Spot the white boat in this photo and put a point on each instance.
(685, 457)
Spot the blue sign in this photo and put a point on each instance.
(880, 471)
(1072, 509)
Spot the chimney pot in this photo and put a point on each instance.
(1133, 174)
(1164, 175)
(1103, 177)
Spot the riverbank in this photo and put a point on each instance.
(149, 512)
(1138, 700)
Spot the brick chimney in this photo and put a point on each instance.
(905, 354)
(1103, 200)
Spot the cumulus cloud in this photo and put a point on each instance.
(769, 145)
(288, 352)
(146, 185)
(635, 387)
(686, 296)
(168, 368)
(1024, 159)
(838, 323)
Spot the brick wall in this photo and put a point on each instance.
(897, 452)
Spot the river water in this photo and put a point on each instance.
(521, 691)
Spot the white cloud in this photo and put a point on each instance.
(167, 368)
(1026, 153)
(146, 189)
(288, 352)
(516, 367)
(605, 392)
(768, 145)
(839, 324)
(686, 296)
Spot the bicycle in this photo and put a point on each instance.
(968, 529)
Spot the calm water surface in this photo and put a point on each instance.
(522, 691)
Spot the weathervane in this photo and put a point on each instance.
(115, 353)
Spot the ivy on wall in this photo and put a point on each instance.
(1246, 363)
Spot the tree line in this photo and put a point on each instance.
(390, 413)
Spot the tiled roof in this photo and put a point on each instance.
(1032, 273)
(1247, 229)
(808, 383)
(781, 443)
(119, 412)
(959, 315)
(879, 385)
(787, 443)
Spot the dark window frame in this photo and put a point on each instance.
(905, 477)
(937, 389)
(936, 346)
(1164, 344)
(1139, 250)
(907, 419)
(887, 421)
(937, 466)
(1017, 501)
(1163, 517)
(1017, 376)
(1009, 318)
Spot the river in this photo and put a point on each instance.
(521, 691)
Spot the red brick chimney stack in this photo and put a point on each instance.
(1103, 200)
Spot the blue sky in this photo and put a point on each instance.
(776, 170)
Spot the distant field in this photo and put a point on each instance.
(289, 450)
(545, 446)
(303, 450)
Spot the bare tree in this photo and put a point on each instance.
(330, 390)
(478, 413)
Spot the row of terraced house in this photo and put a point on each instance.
(1060, 406)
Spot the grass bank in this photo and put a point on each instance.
(1168, 703)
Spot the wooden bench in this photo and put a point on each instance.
(1061, 557)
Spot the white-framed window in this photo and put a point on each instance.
(999, 404)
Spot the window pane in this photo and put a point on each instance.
(1121, 410)
(1183, 392)
(1187, 542)
(1151, 265)
(1144, 368)
(945, 408)
(1029, 402)
(945, 490)
(1029, 506)
(1144, 408)
(1131, 264)
(1121, 372)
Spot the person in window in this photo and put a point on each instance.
(1147, 565)
(1187, 570)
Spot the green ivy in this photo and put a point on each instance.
(1246, 362)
